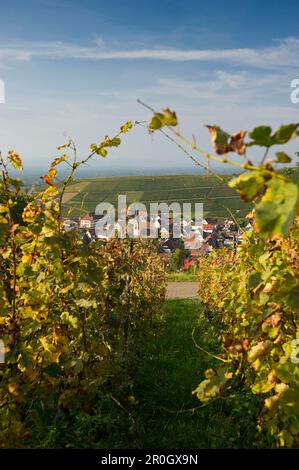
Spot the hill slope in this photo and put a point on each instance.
(84, 195)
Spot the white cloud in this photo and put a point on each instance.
(35, 131)
(282, 54)
(235, 99)
(216, 89)
(99, 41)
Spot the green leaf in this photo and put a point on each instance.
(249, 185)
(61, 147)
(93, 147)
(294, 298)
(276, 211)
(16, 183)
(156, 122)
(263, 298)
(290, 400)
(53, 370)
(254, 279)
(115, 142)
(126, 127)
(67, 318)
(282, 157)
(86, 303)
(102, 151)
(167, 118)
(214, 383)
(285, 133)
(261, 136)
(25, 270)
(99, 150)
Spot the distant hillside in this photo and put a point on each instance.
(83, 195)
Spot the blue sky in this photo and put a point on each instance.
(77, 67)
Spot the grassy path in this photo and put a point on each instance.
(169, 368)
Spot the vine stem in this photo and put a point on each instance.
(193, 146)
(192, 410)
(265, 155)
(75, 165)
(189, 154)
(207, 352)
(70, 176)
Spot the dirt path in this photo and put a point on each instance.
(181, 290)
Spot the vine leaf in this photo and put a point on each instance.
(276, 210)
(262, 137)
(159, 120)
(59, 160)
(282, 157)
(213, 384)
(15, 160)
(48, 178)
(249, 185)
(224, 142)
(126, 127)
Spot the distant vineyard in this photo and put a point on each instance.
(83, 195)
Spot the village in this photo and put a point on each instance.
(195, 239)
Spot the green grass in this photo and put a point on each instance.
(163, 413)
(167, 372)
(215, 195)
(181, 277)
